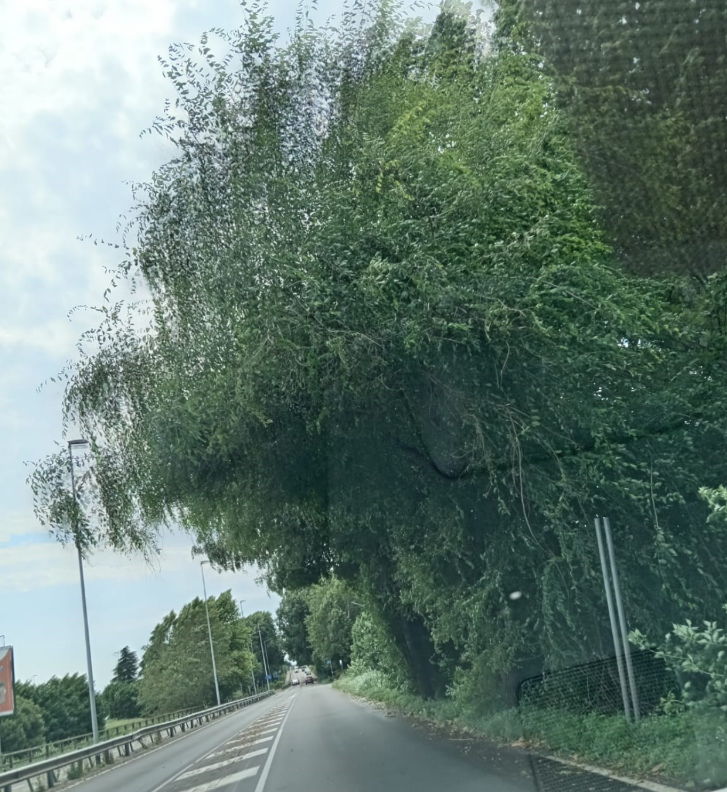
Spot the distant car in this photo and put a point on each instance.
(309, 680)
(296, 681)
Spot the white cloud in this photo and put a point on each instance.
(42, 563)
(60, 58)
(56, 337)
(17, 524)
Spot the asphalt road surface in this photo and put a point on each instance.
(316, 739)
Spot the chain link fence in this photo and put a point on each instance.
(594, 687)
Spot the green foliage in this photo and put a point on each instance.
(120, 700)
(98, 515)
(262, 627)
(329, 622)
(64, 704)
(76, 771)
(127, 667)
(373, 649)
(24, 729)
(643, 86)
(698, 655)
(176, 667)
(290, 617)
(389, 340)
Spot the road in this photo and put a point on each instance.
(316, 739)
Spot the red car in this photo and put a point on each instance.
(309, 680)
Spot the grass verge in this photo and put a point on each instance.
(688, 749)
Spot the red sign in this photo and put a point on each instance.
(7, 681)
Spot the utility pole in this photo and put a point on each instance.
(262, 652)
(209, 632)
(252, 671)
(89, 664)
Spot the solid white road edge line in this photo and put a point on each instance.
(260, 786)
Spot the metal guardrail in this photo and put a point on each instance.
(46, 750)
(94, 753)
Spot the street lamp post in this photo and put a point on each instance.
(262, 652)
(252, 671)
(89, 665)
(209, 632)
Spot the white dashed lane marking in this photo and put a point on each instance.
(250, 772)
(225, 763)
(233, 753)
(242, 744)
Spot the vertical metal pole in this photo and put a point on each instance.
(612, 618)
(262, 653)
(252, 671)
(254, 684)
(621, 618)
(89, 664)
(91, 691)
(209, 632)
(267, 659)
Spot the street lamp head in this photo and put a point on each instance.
(78, 442)
(202, 563)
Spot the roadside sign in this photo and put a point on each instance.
(328, 662)
(7, 681)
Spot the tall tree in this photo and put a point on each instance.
(262, 628)
(290, 617)
(330, 621)
(127, 667)
(120, 699)
(177, 663)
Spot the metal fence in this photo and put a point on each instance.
(51, 769)
(594, 687)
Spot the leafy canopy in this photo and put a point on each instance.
(389, 337)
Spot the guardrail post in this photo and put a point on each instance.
(50, 779)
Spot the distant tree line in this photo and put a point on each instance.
(328, 626)
(174, 673)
